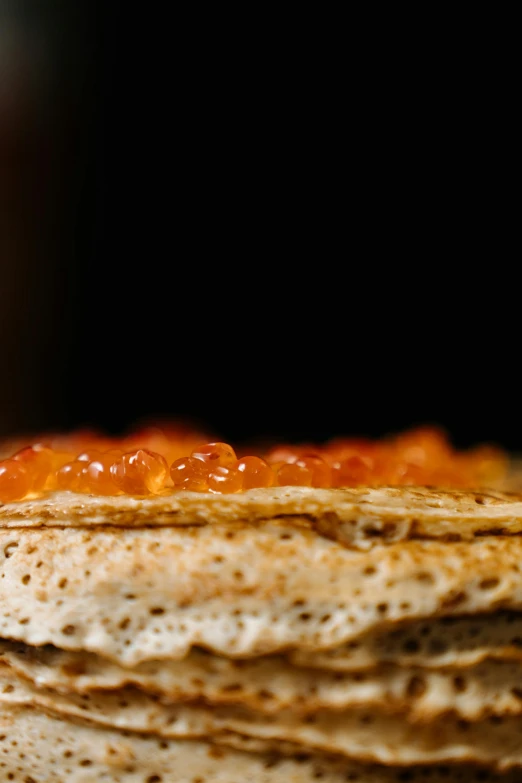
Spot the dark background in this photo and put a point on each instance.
(270, 245)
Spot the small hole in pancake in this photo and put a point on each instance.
(459, 683)
(416, 687)
(489, 584)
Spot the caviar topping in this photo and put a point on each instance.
(88, 463)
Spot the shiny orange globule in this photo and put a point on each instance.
(15, 482)
(153, 461)
(189, 473)
(140, 472)
(38, 461)
(97, 475)
(256, 472)
(224, 480)
(215, 454)
(291, 474)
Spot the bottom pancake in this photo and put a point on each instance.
(365, 735)
(37, 748)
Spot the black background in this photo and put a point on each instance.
(260, 246)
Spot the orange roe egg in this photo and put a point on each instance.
(423, 445)
(342, 448)
(352, 471)
(14, 480)
(69, 476)
(215, 454)
(256, 472)
(150, 438)
(224, 479)
(294, 475)
(405, 474)
(38, 462)
(87, 456)
(140, 472)
(283, 454)
(320, 470)
(62, 458)
(97, 476)
(59, 459)
(189, 473)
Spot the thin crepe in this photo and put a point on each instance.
(361, 735)
(36, 747)
(359, 516)
(136, 595)
(271, 684)
(457, 642)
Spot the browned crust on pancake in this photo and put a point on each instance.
(359, 516)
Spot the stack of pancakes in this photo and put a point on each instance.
(274, 636)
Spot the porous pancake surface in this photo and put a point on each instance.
(136, 595)
(233, 632)
(363, 735)
(432, 643)
(39, 748)
(271, 684)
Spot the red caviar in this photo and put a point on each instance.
(256, 472)
(14, 480)
(292, 474)
(155, 460)
(215, 454)
(70, 476)
(189, 473)
(38, 461)
(97, 476)
(353, 470)
(224, 479)
(320, 470)
(140, 472)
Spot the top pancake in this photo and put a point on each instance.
(358, 516)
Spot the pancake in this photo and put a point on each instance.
(361, 735)
(456, 642)
(357, 516)
(116, 592)
(271, 684)
(35, 747)
(294, 633)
